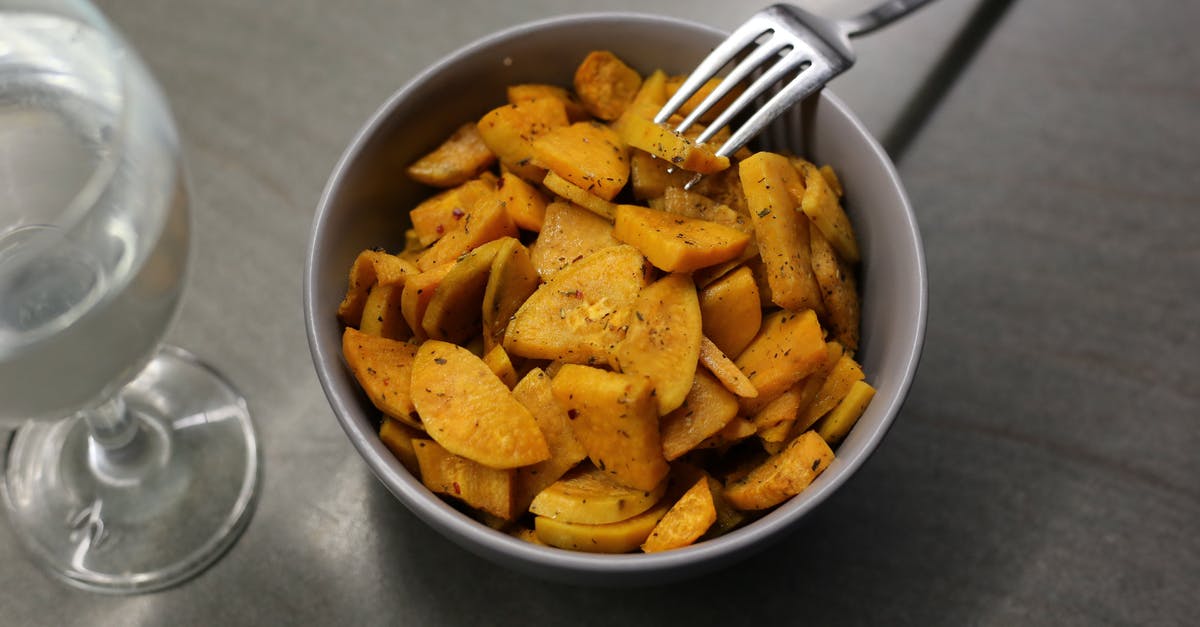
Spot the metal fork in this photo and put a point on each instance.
(778, 41)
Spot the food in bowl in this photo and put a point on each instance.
(576, 349)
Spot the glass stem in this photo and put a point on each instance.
(110, 424)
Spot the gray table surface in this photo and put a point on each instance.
(1045, 470)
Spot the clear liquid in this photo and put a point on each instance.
(93, 217)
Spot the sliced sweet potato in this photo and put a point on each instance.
(839, 291)
(532, 91)
(706, 410)
(418, 291)
(781, 230)
(789, 347)
(383, 369)
(458, 159)
(370, 267)
(591, 496)
(581, 313)
(675, 243)
(511, 281)
(523, 202)
(783, 475)
(689, 204)
(455, 311)
(728, 516)
(605, 84)
(840, 379)
(588, 154)
(688, 519)
(837, 424)
(725, 370)
(467, 409)
(534, 392)
(580, 196)
(619, 537)
(509, 132)
(615, 418)
(435, 216)
(398, 437)
(382, 315)
(650, 176)
(484, 222)
(820, 203)
(737, 430)
(498, 362)
(482, 487)
(663, 340)
(665, 143)
(569, 234)
(731, 311)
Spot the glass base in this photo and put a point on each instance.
(152, 513)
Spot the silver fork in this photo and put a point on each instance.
(779, 41)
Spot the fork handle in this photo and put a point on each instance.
(880, 16)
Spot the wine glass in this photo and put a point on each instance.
(133, 466)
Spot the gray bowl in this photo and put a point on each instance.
(365, 205)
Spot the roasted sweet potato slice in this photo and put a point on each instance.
(458, 159)
(675, 243)
(498, 362)
(533, 91)
(615, 418)
(370, 267)
(382, 315)
(706, 410)
(523, 202)
(789, 347)
(509, 132)
(619, 537)
(650, 176)
(580, 196)
(482, 487)
(569, 234)
(687, 520)
(455, 311)
(783, 475)
(820, 203)
(383, 368)
(839, 291)
(781, 231)
(731, 311)
(591, 496)
(725, 370)
(467, 409)
(665, 143)
(418, 291)
(836, 384)
(581, 313)
(484, 222)
(737, 430)
(663, 340)
(689, 204)
(534, 392)
(511, 281)
(398, 437)
(837, 424)
(435, 216)
(588, 154)
(605, 84)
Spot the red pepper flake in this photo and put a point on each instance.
(457, 488)
(458, 213)
(440, 229)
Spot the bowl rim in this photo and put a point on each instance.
(541, 560)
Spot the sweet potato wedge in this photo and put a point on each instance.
(731, 311)
(591, 496)
(484, 222)
(689, 204)
(569, 234)
(435, 216)
(511, 280)
(418, 291)
(783, 475)
(663, 340)
(461, 157)
(615, 418)
(509, 131)
(383, 368)
(534, 392)
(674, 243)
(581, 313)
(580, 196)
(789, 347)
(725, 370)
(781, 230)
(650, 176)
(839, 291)
(398, 437)
(370, 267)
(382, 315)
(498, 362)
(820, 203)
(588, 154)
(737, 430)
(482, 487)
(619, 537)
(533, 91)
(455, 311)
(605, 84)
(687, 520)
(706, 410)
(838, 422)
(525, 204)
(836, 384)
(467, 409)
(665, 143)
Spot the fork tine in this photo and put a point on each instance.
(790, 62)
(743, 69)
(745, 35)
(804, 85)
